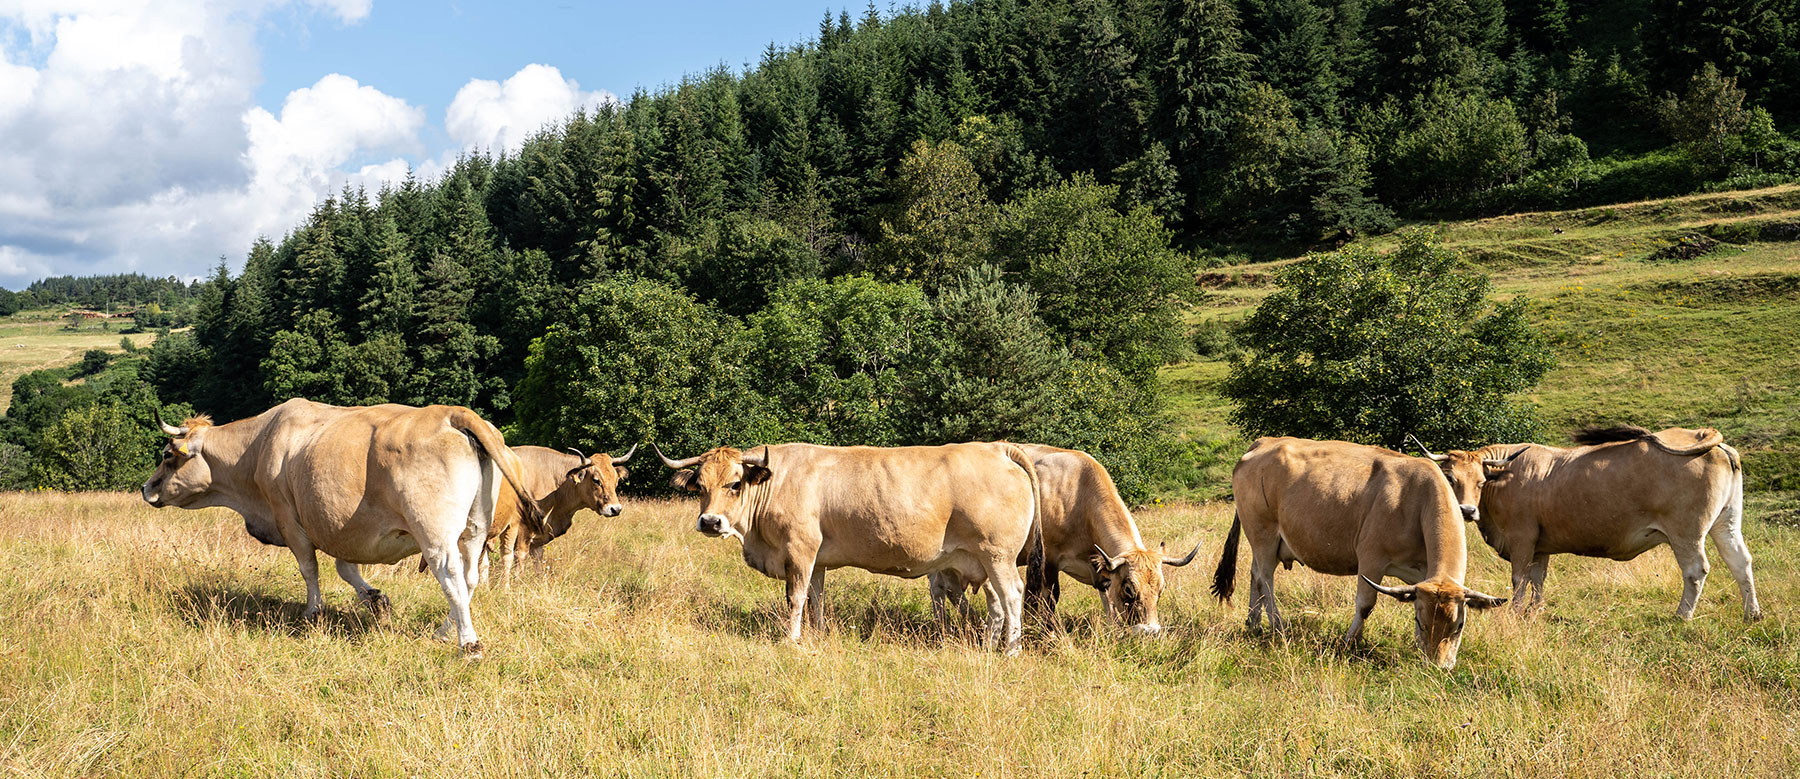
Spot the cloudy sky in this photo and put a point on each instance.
(158, 135)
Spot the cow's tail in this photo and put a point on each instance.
(1225, 577)
(1036, 562)
(494, 446)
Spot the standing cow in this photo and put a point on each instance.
(1090, 535)
(1352, 510)
(803, 509)
(1620, 492)
(372, 484)
(562, 484)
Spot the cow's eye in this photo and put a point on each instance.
(734, 486)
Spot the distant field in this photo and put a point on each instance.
(1708, 341)
(135, 642)
(33, 340)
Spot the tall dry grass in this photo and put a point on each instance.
(142, 643)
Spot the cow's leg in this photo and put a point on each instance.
(1690, 554)
(1524, 559)
(351, 573)
(1365, 602)
(308, 559)
(815, 599)
(945, 586)
(1540, 568)
(799, 583)
(508, 544)
(1728, 537)
(1262, 591)
(1006, 605)
(451, 568)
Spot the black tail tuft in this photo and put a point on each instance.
(1225, 578)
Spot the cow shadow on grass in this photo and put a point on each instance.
(866, 618)
(203, 604)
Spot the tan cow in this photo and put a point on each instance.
(1620, 492)
(365, 485)
(562, 484)
(1352, 510)
(803, 509)
(1090, 535)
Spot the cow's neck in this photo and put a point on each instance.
(233, 473)
(1112, 528)
(1446, 548)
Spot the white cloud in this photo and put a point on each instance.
(134, 142)
(490, 115)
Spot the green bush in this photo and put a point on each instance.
(829, 357)
(97, 447)
(639, 361)
(1362, 346)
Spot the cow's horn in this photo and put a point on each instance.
(759, 462)
(171, 430)
(1111, 562)
(1434, 457)
(1495, 462)
(628, 454)
(1403, 593)
(577, 452)
(677, 464)
(1178, 562)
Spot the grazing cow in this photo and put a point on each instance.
(562, 484)
(372, 484)
(802, 509)
(1090, 535)
(1619, 493)
(1352, 510)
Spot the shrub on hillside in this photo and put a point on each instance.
(1368, 347)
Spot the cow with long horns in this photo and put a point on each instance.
(371, 484)
(1351, 510)
(1090, 535)
(1620, 492)
(562, 483)
(802, 509)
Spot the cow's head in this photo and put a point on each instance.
(1440, 608)
(724, 478)
(1467, 472)
(1132, 583)
(183, 475)
(596, 480)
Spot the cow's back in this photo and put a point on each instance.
(1078, 507)
(1603, 500)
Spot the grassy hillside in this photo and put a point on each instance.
(142, 643)
(33, 340)
(1643, 334)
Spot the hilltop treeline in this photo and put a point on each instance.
(978, 220)
(101, 293)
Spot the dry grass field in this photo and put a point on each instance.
(136, 642)
(33, 340)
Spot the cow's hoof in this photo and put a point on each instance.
(472, 650)
(1753, 616)
(312, 616)
(379, 604)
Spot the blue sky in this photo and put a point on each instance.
(157, 136)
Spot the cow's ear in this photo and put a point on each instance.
(684, 480)
(621, 471)
(189, 447)
(755, 474)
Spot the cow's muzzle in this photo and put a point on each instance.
(1147, 629)
(712, 525)
(1470, 513)
(611, 510)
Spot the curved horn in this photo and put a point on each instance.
(1406, 593)
(760, 462)
(171, 430)
(1178, 562)
(628, 454)
(1478, 600)
(1495, 463)
(576, 452)
(1111, 562)
(1434, 457)
(676, 464)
